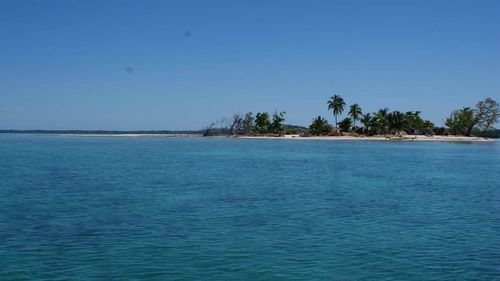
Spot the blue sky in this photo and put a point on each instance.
(129, 65)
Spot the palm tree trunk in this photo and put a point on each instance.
(336, 125)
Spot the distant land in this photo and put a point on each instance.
(120, 132)
(477, 122)
(101, 132)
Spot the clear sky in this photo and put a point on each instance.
(129, 65)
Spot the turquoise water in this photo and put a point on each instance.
(110, 208)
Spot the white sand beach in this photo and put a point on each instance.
(298, 137)
(378, 138)
(135, 135)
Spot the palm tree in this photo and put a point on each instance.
(380, 121)
(336, 104)
(366, 121)
(396, 121)
(355, 112)
(346, 124)
(383, 112)
(319, 126)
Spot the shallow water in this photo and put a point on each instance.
(111, 208)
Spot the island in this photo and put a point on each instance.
(465, 125)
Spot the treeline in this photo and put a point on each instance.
(380, 122)
(261, 123)
(478, 120)
(377, 123)
(465, 121)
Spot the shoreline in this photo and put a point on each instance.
(297, 137)
(135, 135)
(378, 138)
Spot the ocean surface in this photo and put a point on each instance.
(117, 208)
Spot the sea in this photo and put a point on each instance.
(132, 208)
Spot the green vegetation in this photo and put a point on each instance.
(466, 121)
(336, 104)
(248, 122)
(261, 124)
(416, 124)
(396, 121)
(277, 122)
(461, 121)
(319, 126)
(366, 120)
(345, 125)
(479, 120)
(487, 114)
(355, 113)
(385, 122)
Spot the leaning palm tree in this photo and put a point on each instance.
(355, 112)
(336, 104)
